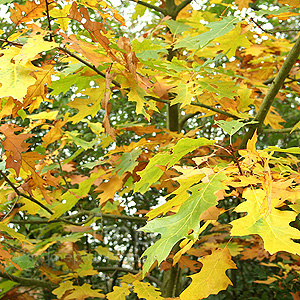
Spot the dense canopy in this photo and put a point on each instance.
(149, 149)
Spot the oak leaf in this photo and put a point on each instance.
(14, 146)
(15, 78)
(212, 277)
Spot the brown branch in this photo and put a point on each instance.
(87, 64)
(156, 8)
(182, 5)
(282, 130)
(80, 214)
(29, 282)
(24, 195)
(119, 269)
(217, 110)
(49, 21)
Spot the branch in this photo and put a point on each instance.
(82, 213)
(222, 112)
(272, 92)
(49, 21)
(118, 269)
(24, 195)
(87, 64)
(182, 5)
(28, 282)
(282, 130)
(156, 8)
(184, 118)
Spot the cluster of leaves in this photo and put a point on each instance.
(190, 129)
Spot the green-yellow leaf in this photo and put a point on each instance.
(152, 173)
(119, 292)
(176, 227)
(104, 251)
(146, 291)
(13, 233)
(273, 227)
(184, 95)
(60, 16)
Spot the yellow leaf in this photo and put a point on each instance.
(44, 115)
(212, 278)
(34, 45)
(242, 4)
(13, 234)
(60, 16)
(89, 106)
(14, 78)
(244, 96)
(104, 251)
(83, 292)
(292, 3)
(251, 145)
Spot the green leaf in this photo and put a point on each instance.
(148, 49)
(176, 227)
(177, 27)
(72, 196)
(127, 162)
(152, 172)
(24, 261)
(264, 12)
(231, 127)
(218, 28)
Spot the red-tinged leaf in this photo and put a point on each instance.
(28, 11)
(106, 124)
(14, 146)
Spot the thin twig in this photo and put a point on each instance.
(24, 195)
(80, 214)
(182, 5)
(282, 130)
(49, 21)
(107, 269)
(87, 64)
(272, 31)
(28, 282)
(156, 8)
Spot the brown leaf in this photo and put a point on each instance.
(106, 124)
(27, 12)
(14, 146)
